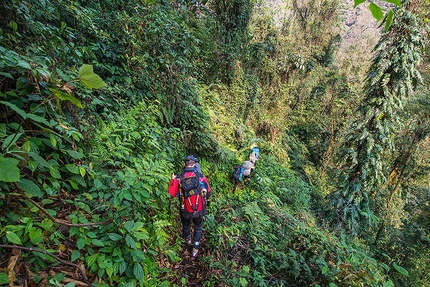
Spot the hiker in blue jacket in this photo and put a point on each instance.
(256, 152)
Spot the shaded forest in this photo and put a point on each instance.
(100, 101)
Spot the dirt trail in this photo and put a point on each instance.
(196, 272)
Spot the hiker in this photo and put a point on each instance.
(256, 152)
(253, 158)
(193, 190)
(248, 168)
(198, 169)
(237, 175)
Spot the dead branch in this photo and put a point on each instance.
(32, 249)
(60, 221)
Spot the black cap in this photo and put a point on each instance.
(191, 157)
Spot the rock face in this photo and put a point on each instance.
(359, 26)
(360, 33)
(358, 29)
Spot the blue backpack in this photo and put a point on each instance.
(237, 173)
(256, 150)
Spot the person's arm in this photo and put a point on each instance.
(174, 186)
(208, 188)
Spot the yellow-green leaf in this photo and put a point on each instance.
(13, 25)
(358, 2)
(376, 11)
(53, 140)
(82, 171)
(89, 79)
(92, 259)
(389, 20)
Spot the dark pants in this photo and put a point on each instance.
(246, 179)
(198, 228)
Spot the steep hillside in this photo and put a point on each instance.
(100, 101)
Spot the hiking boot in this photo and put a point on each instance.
(194, 254)
(189, 240)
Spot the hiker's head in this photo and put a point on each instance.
(193, 157)
(190, 161)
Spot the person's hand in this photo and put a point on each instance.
(173, 176)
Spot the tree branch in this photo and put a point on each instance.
(52, 255)
(60, 221)
(64, 222)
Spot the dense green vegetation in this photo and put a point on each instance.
(100, 102)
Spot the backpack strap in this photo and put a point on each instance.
(181, 194)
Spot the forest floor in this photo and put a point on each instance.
(194, 272)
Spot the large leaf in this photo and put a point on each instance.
(358, 2)
(89, 79)
(389, 20)
(376, 11)
(66, 97)
(30, 188)
(9, 171)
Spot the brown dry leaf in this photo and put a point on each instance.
(43, 275)
(63, 126)
(68, 88)
(28, 271)
(78, 273)
(11, 265)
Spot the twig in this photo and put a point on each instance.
(60, 221)
(52, 255)
(63, 222)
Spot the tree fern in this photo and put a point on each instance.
(391, 78)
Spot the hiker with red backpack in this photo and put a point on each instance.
(193, 190)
